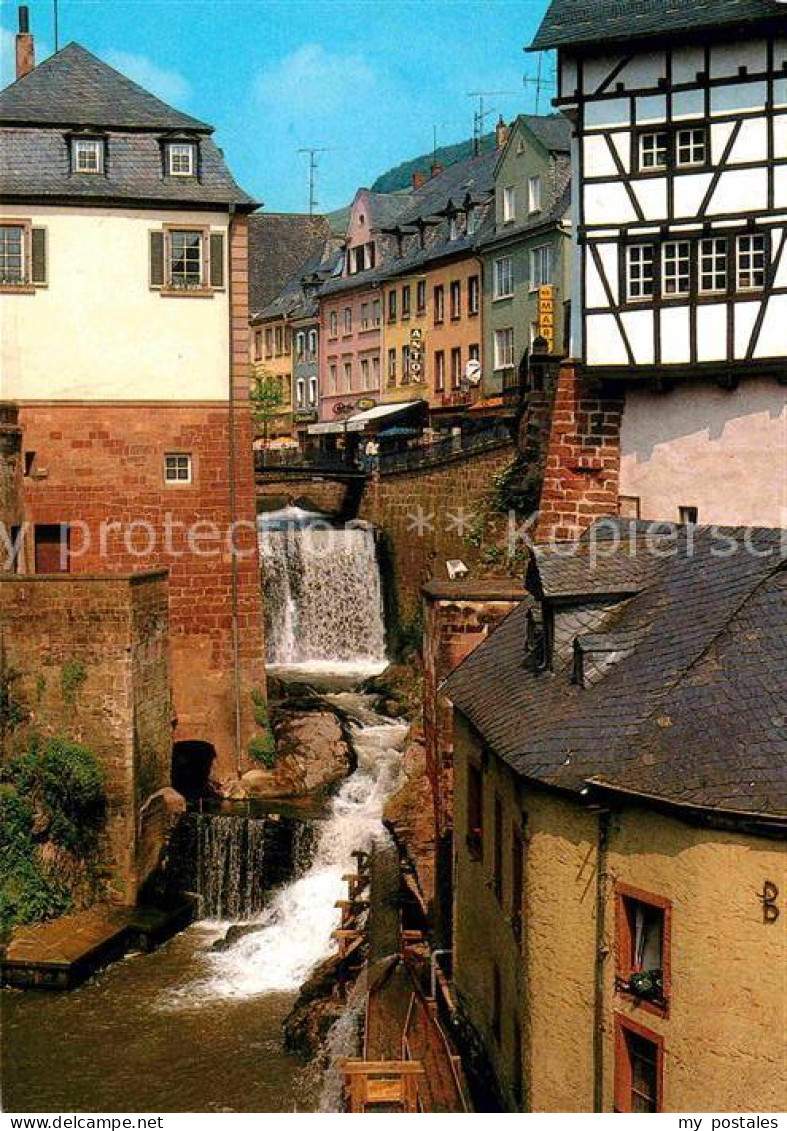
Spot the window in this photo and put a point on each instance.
(420, 296)
(503, 278)
(258, 345)
(392, 367)
(628, 506)
(541, 267)
(504, 348)
(472, 220)
(751, 262)
(312, 345)
(405, 365)
(640, 264)
(406, 302)
(334, 378)
(182, 159)
(473, 295)
(300, 346)
(456, 299)
(376, 312)
(364, 372)
(497, 863)
(653, 150)
(534, 194)
(52, 550)
(474, 352)
(348, 320)
(300, 393)
(392, 306)
(177, 468)
(456, 368)
(278, 335)
(675, 268)
(312, 392)
(691, 146)
(185, 258)
(439, 371)
(269, 343)
(643, 936)
(713, 265)
(453, 227)
(364, 315)
(333, 325)
(688, 515)
(348, 376)
(497, 1003)
(12, 255)
(439, 304)
(509, 204)
(517, 881)
(87, 155)
(639, 1068)
(288, 340)
(375, 373)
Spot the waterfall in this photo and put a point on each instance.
(323, 597)
(295, 927)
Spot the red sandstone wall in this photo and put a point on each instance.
(114, 632)
(583, 458)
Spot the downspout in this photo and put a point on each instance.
(602, 858)
(232, 464)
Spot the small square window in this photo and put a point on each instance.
(676, 268)
(713, 265)
(640, 271)
(88, 155)
(751, 262)
(654, 150)
(182, 159)
(177, 468)
(691, 146)
(688, 516)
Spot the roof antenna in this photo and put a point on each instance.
(57, 38)
(313, 151)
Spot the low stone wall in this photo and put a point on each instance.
(92, 653)
(327, 495)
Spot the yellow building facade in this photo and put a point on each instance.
(272, 359)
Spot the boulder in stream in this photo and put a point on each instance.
(312, 754)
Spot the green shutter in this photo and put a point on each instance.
(38, 256)
(157, 259)
(217, 260)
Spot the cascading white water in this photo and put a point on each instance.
(295, 929)
(323, 597)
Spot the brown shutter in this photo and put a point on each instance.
(38, 256)
(217, 260)
(157, 259)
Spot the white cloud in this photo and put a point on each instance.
(314, 81)
(170, 85)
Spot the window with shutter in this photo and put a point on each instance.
(217, 260)
(38, 257)
(157, 259)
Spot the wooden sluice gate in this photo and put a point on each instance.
(408, 1063)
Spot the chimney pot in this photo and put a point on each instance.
(25, 47)
(437, 168)
(419, 179)
(501, 133)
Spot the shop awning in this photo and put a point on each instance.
(359, 421)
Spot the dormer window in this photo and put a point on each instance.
(87, 155)
(181, 159)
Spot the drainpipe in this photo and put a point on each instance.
(232, 464)
(602, 858)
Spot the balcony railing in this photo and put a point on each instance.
(442, 451)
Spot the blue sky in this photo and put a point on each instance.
(367, 78)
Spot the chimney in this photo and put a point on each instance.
(437, 168)
(501, 133)
(419, 179)
(25, 48)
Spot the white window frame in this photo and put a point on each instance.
(509, 204)
(348, 376)
(333, 371)
(364, 373)
(176, 152)
(534, 194)
(439, 371)
(88, 145)
(713, 265)
(676, 268)
(376, 313)
(473, 294)
(504, 348)
(21, 279)
(312, 392)
(300, 392)
(333, 324)
(178, 468)
(746, 258)
(184, 283)
(312, 352)
(651, 145)
(691, 146)
(541, 266)
(503, 277)
(640, 288)
(300, 346)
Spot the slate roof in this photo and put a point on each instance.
(691, 711)
(295, 301)
(576, 22)
(552, 130)
(74, 90)
(280, 243)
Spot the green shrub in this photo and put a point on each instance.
(27, 893)
(72, 675)
(262, 749)
(260, 709)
